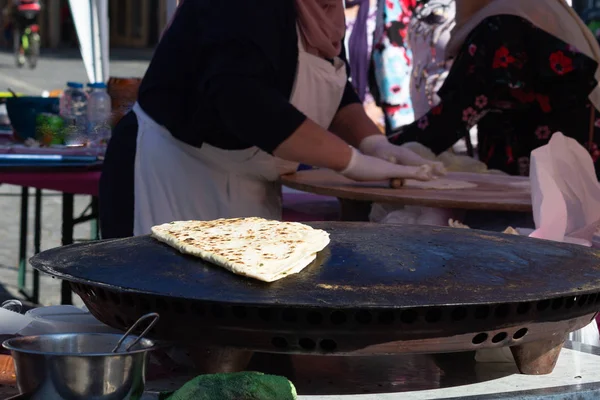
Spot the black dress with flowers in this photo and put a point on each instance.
(519, 84)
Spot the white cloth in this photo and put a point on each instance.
(383, 213)
(175, 181)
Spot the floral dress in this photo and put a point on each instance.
(519, 84)
(392, 61)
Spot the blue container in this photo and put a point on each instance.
(22, 112)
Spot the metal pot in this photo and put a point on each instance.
(79, 366)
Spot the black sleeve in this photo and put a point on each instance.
(490, 71)
(350, 96)
(240, 80)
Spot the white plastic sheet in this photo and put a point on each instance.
(566, 202)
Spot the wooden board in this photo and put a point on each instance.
(493, 192)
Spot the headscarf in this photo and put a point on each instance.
(322, 26)
(555, 17)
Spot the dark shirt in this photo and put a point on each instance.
(223, 74)
(519, 84)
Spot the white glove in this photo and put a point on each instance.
(380, 147)
(367, 168)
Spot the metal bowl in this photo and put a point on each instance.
(79, 366)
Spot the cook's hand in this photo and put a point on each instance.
(367, 168)
(380, 147)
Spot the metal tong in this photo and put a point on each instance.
(141, 336)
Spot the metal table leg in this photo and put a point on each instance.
(37, 244)
(67, 238)
(95, 228)
(34, 296)
(23, 239)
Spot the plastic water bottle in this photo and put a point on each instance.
(73, 109)
(99, 114)
(65, 102)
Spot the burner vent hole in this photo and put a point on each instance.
(198, 309)
(582, 300)
(162, 305)
(337, 318)
(482, 312)
(364, 317)
(500, 337)
(523, 308)
(264, 314)
(409, 316)
(128, 300)
(328, 345)
(520, 334)
(239, 312)
(480, 338)
(502, 311)
(386, 318)
(557, 304)
(115, 298)
(217, 311)
(433, 316)
(178, 307)
(591, 299)
(570, 302)
(314, 318)
(543, 305)
(459, 313)
(289, 316)
(279, 342)
(307, 344)
(120, 321)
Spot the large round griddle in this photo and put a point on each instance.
(375, 289)
(366, 266)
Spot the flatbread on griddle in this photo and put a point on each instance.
(254, 247)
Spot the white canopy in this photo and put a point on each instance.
(91, 22)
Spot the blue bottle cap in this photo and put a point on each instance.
(75, 85)
(97, 85)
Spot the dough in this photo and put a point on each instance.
(521, 185)
(439, 184)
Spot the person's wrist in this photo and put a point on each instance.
(352, 163)
(371, 144)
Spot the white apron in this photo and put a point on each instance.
(175, 181)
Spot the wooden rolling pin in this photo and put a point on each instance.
(396, 183)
